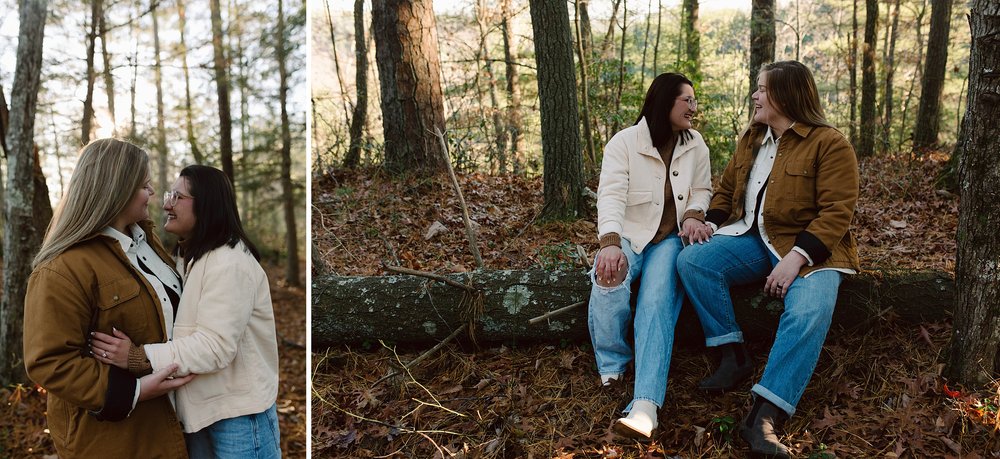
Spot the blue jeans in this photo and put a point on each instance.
(248, 436)
(708, 270)
(659, 303)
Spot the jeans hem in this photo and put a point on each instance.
(762, 391)
(734, 337)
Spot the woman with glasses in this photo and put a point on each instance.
(654, 190)
(224, 331)
(101, 268)
(783, 209)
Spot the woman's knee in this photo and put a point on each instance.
(614, 280)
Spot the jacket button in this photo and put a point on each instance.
(676, 173)
(680, 197)
(114, 298)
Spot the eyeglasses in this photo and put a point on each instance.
(691, 101)
(170, 198)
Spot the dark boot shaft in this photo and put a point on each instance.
(759, 427)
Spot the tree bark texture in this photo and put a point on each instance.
(557, 97)
(925, 132)
(692, 42)
(287, 192)
(974, 356)
(87, 124)
(409, 66)
(869, 85)
(21, 237)
(761, 41)
(162, 155)
(221, 67)
(409, 309)
(360, 116)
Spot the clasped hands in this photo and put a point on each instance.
(113, 350)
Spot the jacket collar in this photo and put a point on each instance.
(645, 146)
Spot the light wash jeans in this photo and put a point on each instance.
(659, 303)
(252, 436)
(708, 270)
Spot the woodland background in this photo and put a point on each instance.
(894, 76)
(214, 82)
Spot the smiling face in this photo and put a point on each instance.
(765, 111)
(180, 216)
(682, 113)
(137, 208)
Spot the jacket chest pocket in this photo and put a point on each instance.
(801, 181)
(120, 305)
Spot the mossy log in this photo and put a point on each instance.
(408, 309)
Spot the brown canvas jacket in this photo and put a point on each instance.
(92, 286)
(811, 195)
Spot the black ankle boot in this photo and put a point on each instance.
(758, 429)
(734, 367)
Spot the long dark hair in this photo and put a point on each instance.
(217, 219)
(660, 100)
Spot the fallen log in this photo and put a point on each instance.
(408, 309)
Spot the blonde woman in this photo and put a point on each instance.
(101, 268)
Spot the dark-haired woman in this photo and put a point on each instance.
(783, 208)
(224, 331)
(654, 189)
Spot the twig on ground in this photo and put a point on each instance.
(437, 277)
(555, 312)
(469, 231)
(423, 356)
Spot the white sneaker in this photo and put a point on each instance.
(607, 379)
(639, 423)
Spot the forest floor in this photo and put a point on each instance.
(874, 393)
(22, 421)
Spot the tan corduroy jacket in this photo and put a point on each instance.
(224, 333)
(811, 194)
(630, 194)
(93, 287)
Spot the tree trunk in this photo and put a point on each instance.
(161, 130)
(109, 79)
(558, 110)
(692, 42)
(134, 62)
(360, 118)
(973, 357)
(890, 70)
(287, 192)
(87, 124)
(852, 66)
(866, 144)
(761, 42)
(409, 309)
(588, 138)
(22, 237)
(586, 32)
(409, 69)
(616, 123)
(656, 43)
(513, 115)
(610, 36)
(929, 111)
(192, 140)
(645, 45)
(222, 89)
(336, 62)
(918, 76)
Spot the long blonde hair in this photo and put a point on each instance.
(105, 179)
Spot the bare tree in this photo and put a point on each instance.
(87, 124)
(360, 117)
(974, 354)
(890, 70)
(22, 235)
(189, 125)
(852, 66)
(692, 41)
(761, 41)
(161, 130)
(287, 192)
(513, 89)
(109, 79)
(222, 90)
(588, 137)
(410, 75)
(866, 144)
(925, 133)
(557, 98)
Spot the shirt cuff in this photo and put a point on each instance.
(714, 226)
(801, 251)
(135, 400)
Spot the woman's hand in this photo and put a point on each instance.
(611, 266)
(160, 382)
(112, 350)
(783, 274)
(695, 231)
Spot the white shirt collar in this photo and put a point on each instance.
(768, 136)
(127, 243)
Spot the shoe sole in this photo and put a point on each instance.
(623, 430)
